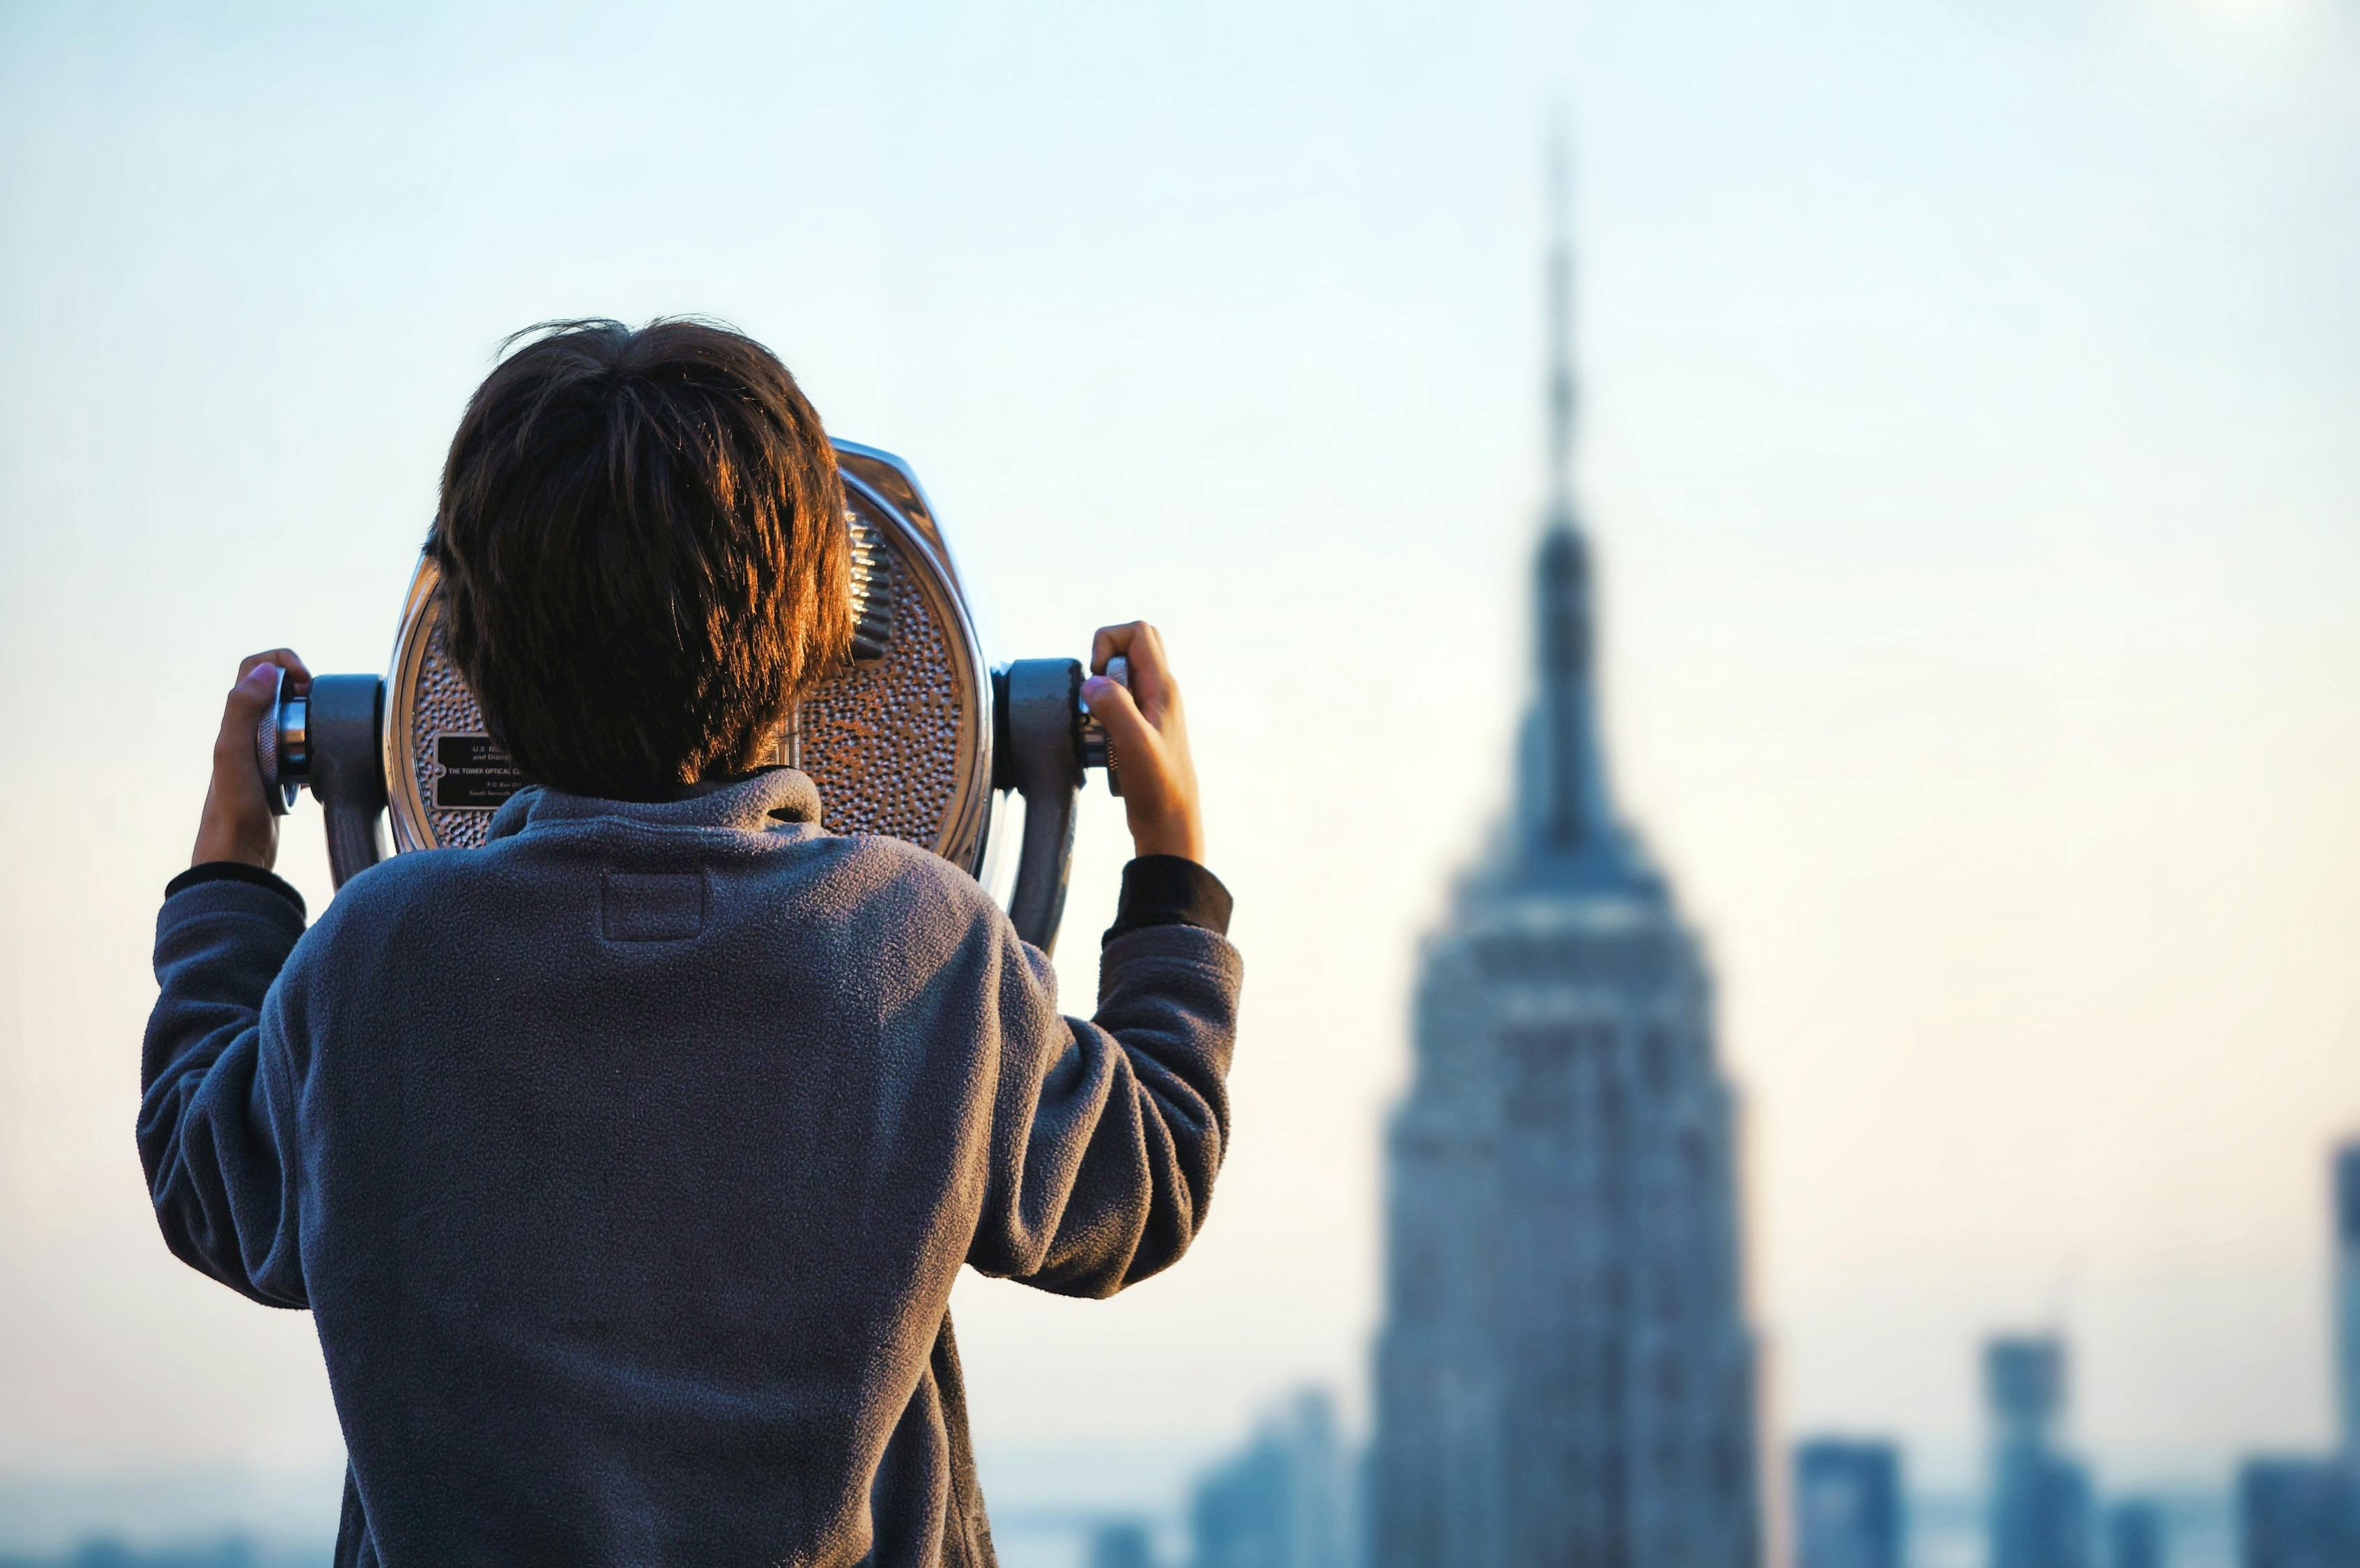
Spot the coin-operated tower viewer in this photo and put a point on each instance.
(625, 1132)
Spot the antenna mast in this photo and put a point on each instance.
(1560, 326)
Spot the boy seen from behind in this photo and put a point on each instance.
(626, 1163)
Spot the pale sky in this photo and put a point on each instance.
(1970, 438)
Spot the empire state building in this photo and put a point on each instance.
(1565, 1377)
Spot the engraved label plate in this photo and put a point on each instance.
(473, 774)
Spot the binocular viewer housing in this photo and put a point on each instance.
(916, 736)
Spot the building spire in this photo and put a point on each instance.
(1567, 821)
(1560, 324)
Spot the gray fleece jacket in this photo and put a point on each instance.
(625, 1164)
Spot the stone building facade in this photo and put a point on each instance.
(1565, 1377)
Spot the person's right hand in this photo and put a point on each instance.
(1151, 741)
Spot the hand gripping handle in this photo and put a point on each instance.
(1044, 743)
(328, 740)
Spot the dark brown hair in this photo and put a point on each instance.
(643, 553)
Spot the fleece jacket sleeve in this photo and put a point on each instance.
(217, 1112)
(1107, 1132)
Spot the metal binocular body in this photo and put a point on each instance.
(916, 736)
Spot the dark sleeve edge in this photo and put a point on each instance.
(1169, 890)
(234, 871)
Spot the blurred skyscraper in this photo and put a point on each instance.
(1848, 1505)
(2347, 1296)
(2297, 1513)
(2305, 1513)
(2040, 1498)
(1120, 1543)
(1565, 1377)
(1281, 1502)
(2135, 1535)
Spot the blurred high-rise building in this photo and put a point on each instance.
(2039, 1496)
(2135, 1535)
(1120, 1543)
(2301, 1512)
(1848, 1505)
(1565, 1377)
(1279, 1502)
(2297, 1513)
(2347, 1295)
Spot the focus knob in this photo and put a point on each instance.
(282, 746)
(1097, 751)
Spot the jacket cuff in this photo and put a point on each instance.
(234, 871)
(1169, 890)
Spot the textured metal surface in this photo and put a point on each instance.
(889, 741)
(428, 699)
(873, 591)
(899, 743)
(281, 747)
(893, 486)
(1098, 746)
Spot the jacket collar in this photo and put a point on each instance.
(759, 802)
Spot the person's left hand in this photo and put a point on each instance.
(239, 824)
